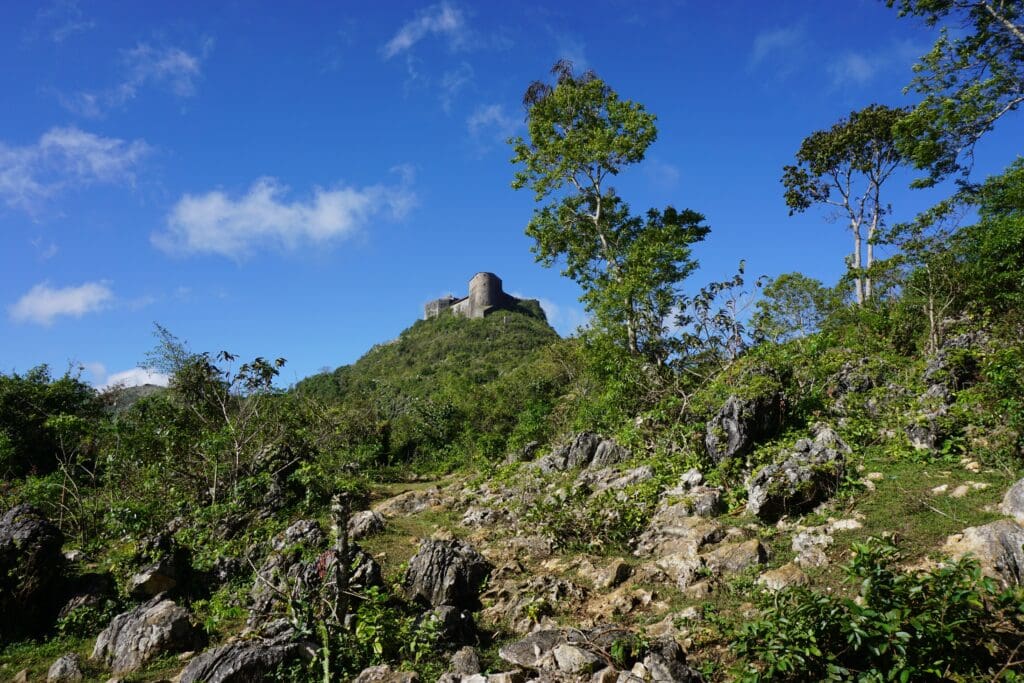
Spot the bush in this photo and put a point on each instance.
(936, 625)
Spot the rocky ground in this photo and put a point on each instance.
(513, 601)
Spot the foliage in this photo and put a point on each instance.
(845, 167)
(580, 135)
(576, 519)
(972, 77)
(792, 306)
(947, 622)
(449, 384)
(30, 404)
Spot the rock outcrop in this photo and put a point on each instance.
(244, 661)
(67, 669)
(809, 474)
(739, 423)
(998, 547)
(447, 573)
(31, 573)
(154, 628)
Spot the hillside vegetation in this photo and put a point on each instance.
(758, 480)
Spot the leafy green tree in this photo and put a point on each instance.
(793, 306)
(972, 77)
(845, 168)
(990, 253)
(28, 441)
(580, 135)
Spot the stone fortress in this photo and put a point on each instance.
(485, 296)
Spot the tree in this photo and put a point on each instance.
(845, 167)
(580, 135)
(969, 80)
(793, 306)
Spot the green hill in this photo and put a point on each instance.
(433, 389)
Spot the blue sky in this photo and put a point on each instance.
(284, 181)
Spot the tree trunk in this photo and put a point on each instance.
(857, 263)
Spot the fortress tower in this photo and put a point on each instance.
(485, 296)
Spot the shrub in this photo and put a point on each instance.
(944, 623)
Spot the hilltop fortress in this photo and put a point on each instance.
(485, 296)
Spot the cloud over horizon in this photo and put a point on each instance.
(43, 304)
(62, 158)
(216, 223)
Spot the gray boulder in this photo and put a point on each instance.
(1013, 502)
(447, 573)
(808, 475)
(365, 523)
(156, 578)
(245, 661)
(67, 669)
(609, 453)
(739, 423)
(156, 627)
(385, 674)
(31, 573)
(666, 661)
(582, 449)
(998, 547)
(465, 662)
(532, 651)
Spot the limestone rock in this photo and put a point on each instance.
(610, 478)
(736, 556)
(156, 578)
(531, 652)
(365, 523)
(242, 661)
(153, 628)
(409, 503)
(739, 423)
(31, 572)
(447, 573)
(608, 453)
(998, 546)
(518, 602)
(385, 674)
(785, 576)
(465, 662)
(809, 474)
(674, 529)
(810, 547)
(666, 661)
(571, 659)
(1013, 502)
(67, 669)
(483, 517)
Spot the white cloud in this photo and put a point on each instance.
(42, 304)
(778, 40)
(65, 157)
(136, 377)
(490, 122)
(443, 19)
(170, 68)
(853, 69)
(60, 20)
(216, 223)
